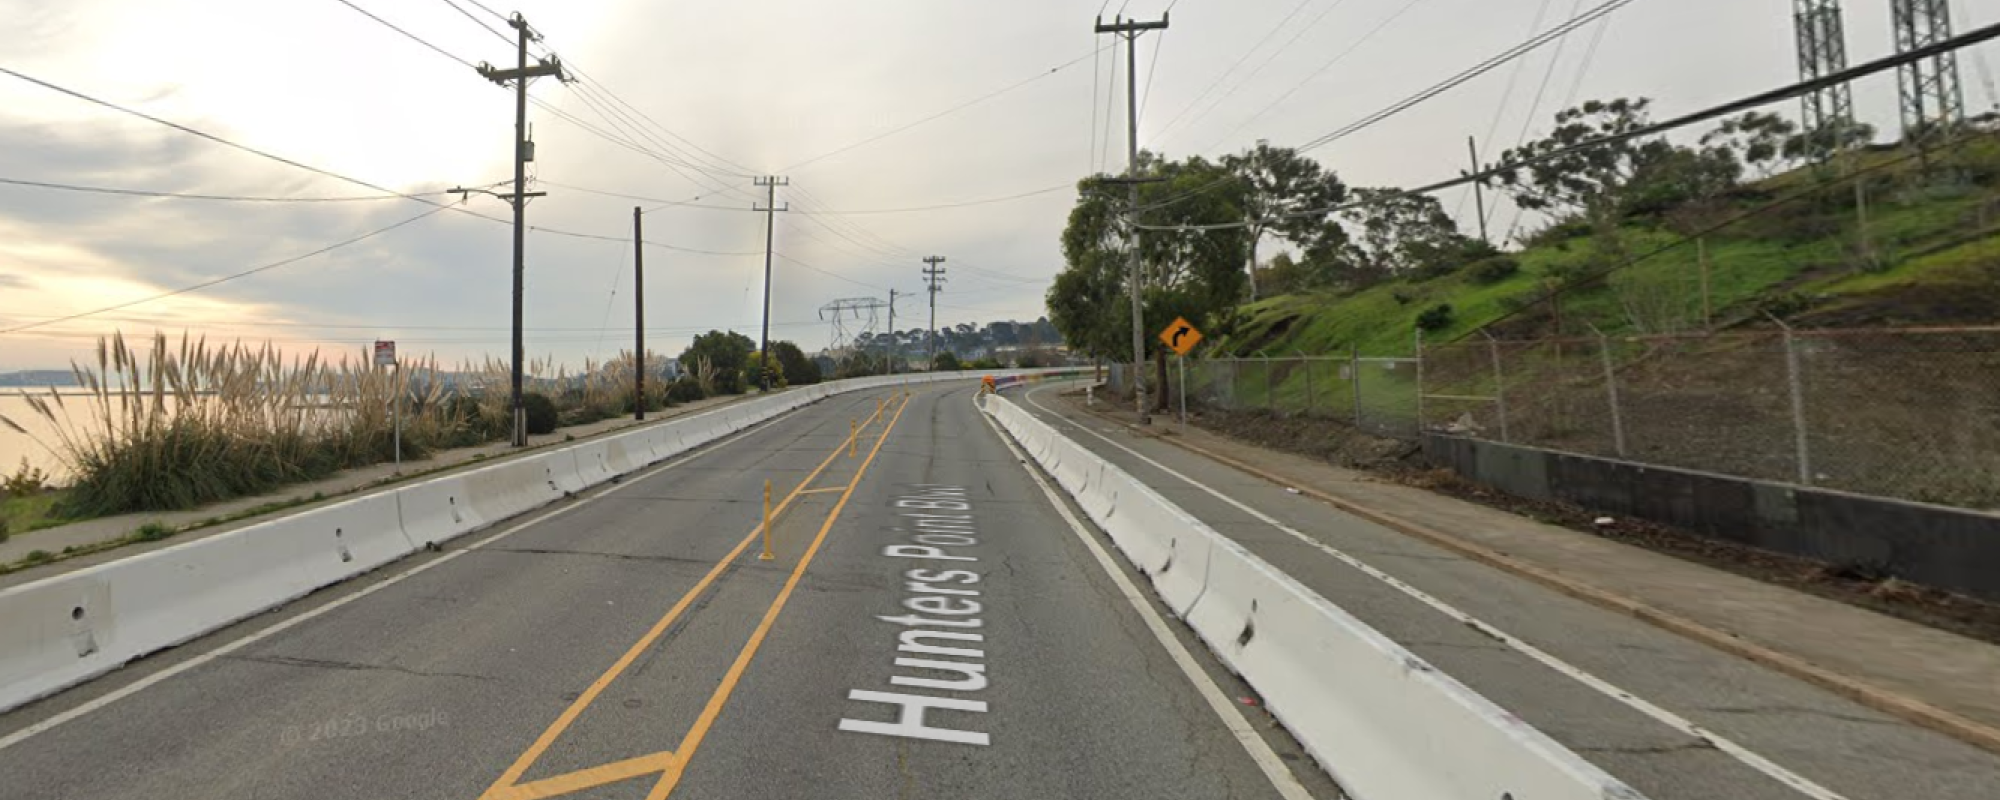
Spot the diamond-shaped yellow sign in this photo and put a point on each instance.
(1181, 336)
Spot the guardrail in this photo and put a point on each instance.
(1382, 722)
(66, 629)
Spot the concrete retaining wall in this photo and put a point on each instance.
(1949, 548)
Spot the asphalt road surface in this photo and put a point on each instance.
(1673, 718)
(930, 625)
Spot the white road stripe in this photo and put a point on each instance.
(142, 684)
(1281, 778)
(1743, 754)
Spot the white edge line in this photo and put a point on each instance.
(142, 684)
(1685, 726)
(1260, 751)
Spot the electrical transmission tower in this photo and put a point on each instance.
(1822, 52)
(934, 279)
(1930, 90)
(840, 311)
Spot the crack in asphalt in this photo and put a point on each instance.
(353, 666)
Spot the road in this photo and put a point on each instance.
(1673, 718)
(931, 625)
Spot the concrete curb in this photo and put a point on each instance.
(1913, 710)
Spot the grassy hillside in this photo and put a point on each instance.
(1936, 242)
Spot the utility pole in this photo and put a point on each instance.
(934, 277)
(895, 344)
(524, 152)
(1478, 189)
(638, 318)
(770, 209)
(1131, 30)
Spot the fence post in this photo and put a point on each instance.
(1420, 383)
(1306, 362)
(1270, 385)
(1354, 372)
(1235, 382)
(1611, 392)
(1794, 377)
(1499, 384)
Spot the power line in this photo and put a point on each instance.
(1779, 95)
(1483, 67)
(1263, 65)
(1152, 69)
(496, 15)
(1337, 58)
(1477, 70)
(219, 197)
(412, 37)
(481, 23)
(942, 114)
(227, 278)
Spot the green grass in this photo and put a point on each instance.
(34, 512)
(1803, 255)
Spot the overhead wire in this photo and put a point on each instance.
(482, 23)
(1778, 95)
(1173, 121)
(937, 116)
(227, 278)
(1556, 34)
(1321, 69)
(1507, 95)
(215, 197)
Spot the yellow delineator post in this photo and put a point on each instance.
(853, 437)
(766, 556)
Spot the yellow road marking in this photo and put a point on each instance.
(587, 778)
(692, 742)
(511, 778)
(825, 490)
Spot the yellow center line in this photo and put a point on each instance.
(503, 788)
(825, 490)
(690, 743)
(587, 778)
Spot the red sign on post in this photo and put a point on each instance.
(385, 354)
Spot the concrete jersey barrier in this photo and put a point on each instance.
(1383, 722)
(66, 629)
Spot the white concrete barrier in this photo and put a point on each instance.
(65, 629)
(1383, 722)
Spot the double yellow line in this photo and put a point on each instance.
(671, 764)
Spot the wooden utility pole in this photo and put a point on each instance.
(524, 152)
(935, 280)
(1131, 29)
(1478, 189)
(638, 318)
(895, 343)
(770, 209)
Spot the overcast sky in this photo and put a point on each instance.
(770, 87)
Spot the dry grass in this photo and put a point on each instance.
(176, 425)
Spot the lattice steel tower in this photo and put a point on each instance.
(1822, 52)
(1930, 88)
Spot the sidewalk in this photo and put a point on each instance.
(297, 497)
(1940, 680)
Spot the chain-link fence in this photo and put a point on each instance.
(1375, 394)
(1901, 413)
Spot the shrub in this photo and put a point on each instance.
(1402, 297)
(947, 361)
(25, 481)
(541, 412)
(1496, 269)
(3, 531)
(685, 390)
(39, 557)
(153, 532)
(1435, 318)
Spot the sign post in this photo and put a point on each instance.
(385, 356)
(1181, 337)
